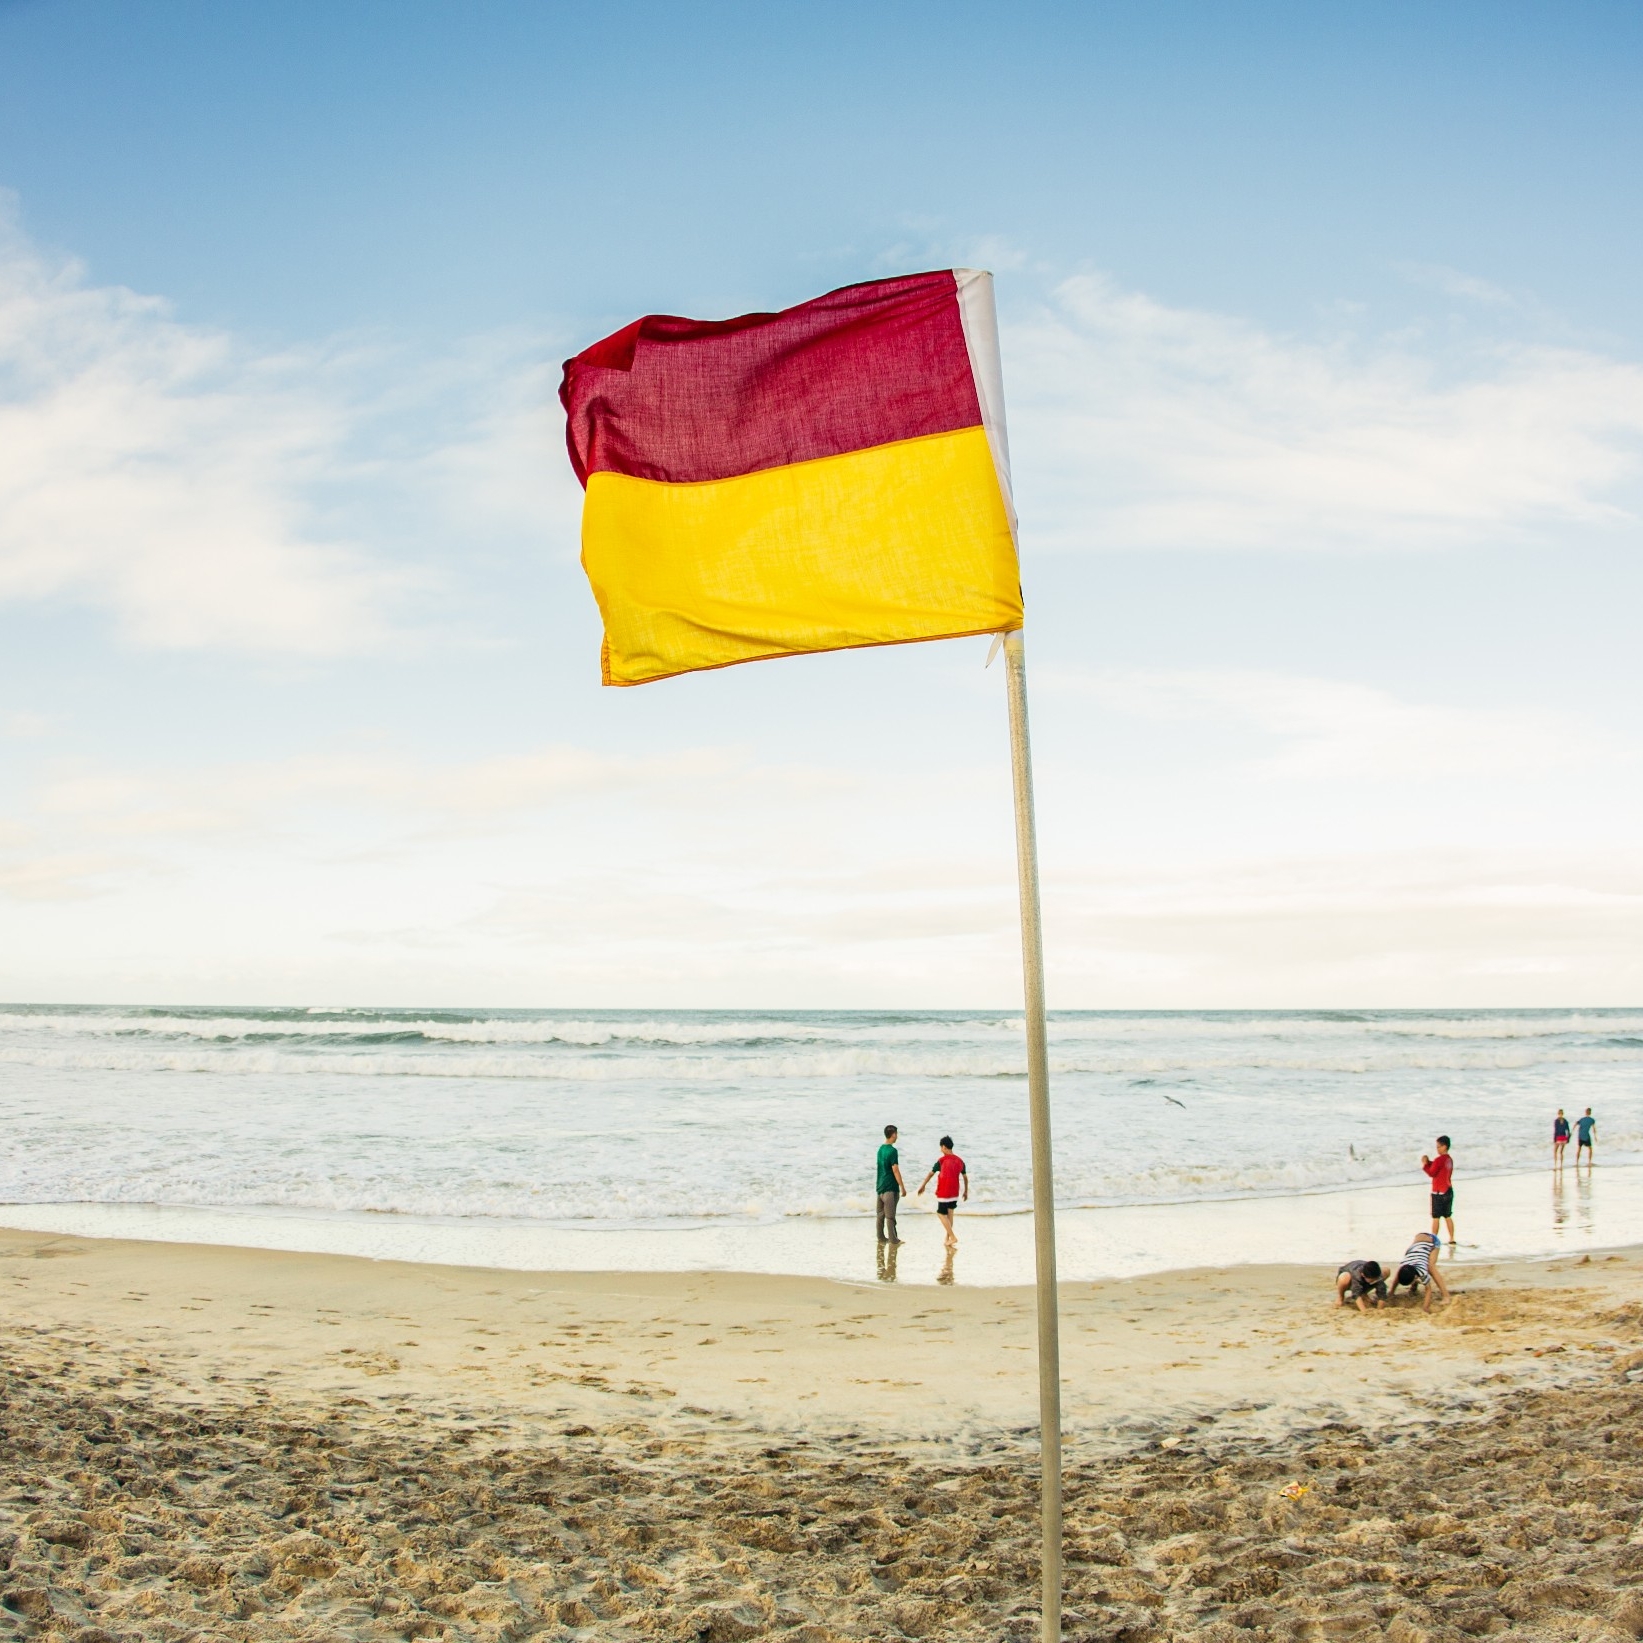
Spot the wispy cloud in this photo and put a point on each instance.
(158, 470)
(254, 795)
(1330, 729)
(564, 873)
(55, 875)
(1141, 425)
(85, 830)
(1452, 282)
(1396, 929)
(19, 724)
(212, 496)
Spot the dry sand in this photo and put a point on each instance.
(199, 1442)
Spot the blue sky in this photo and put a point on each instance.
(1321, 335)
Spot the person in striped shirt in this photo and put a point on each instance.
(1418, 1270)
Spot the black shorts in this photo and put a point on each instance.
(1443, 1204)
(946, 1206)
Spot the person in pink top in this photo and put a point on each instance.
(950, 1175)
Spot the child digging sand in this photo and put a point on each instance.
(1418, 1270)
(1358, 1281)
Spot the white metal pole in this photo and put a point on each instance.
(1038, 1100)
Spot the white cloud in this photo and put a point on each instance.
(89, 831)
(567, 874)
(1452, 282)
(478, 436)
(214, 497)
(1140, 425)
(58, 875)
(1420, 928)
(211, 495)
(158, 470)
(253, 795)
(21, 725)
(1330, 729)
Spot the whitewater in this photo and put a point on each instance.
(651, 1120)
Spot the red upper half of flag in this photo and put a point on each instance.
(684, 400)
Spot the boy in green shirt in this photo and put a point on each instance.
(890, 1187)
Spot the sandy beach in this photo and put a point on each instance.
(211, 1442)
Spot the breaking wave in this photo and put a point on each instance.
(625, 1118)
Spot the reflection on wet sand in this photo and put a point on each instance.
(885, 1269)
(1585, 1208)
(1585, 1201)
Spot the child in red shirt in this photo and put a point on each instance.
(1442, 1171)
(949, 1173)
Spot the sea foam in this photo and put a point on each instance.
(660, 1118)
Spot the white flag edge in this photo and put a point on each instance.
(979, 317)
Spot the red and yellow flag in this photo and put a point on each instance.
(831, 476)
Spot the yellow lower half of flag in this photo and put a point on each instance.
(900, 542)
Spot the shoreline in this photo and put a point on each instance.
(1245, 1353)
(259, 1445)
(1529, 1215)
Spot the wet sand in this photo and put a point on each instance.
(207, 1442)
(1537, 1214)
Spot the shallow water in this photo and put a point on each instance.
(1500, 1217)
(716, 1123)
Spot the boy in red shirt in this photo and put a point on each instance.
(949, 1173)
(1442, 1171)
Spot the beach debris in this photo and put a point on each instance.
(729, 1543)
(730, 1622)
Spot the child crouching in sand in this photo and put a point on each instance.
(1418, 1270)
(1358, 1280)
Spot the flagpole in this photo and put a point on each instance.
(1038, 1101)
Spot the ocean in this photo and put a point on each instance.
(674, 1121)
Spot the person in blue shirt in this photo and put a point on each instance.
(1585, 1137)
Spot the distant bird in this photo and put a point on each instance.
(1173, 1102)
